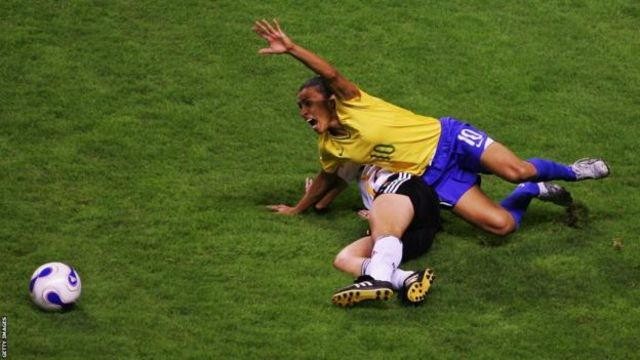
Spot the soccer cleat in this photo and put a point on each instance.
(554, 193)
(417, 285)
(365, 288)
(589, 168)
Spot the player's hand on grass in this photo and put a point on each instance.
(363, 214)
(283, 209)
(279, 42)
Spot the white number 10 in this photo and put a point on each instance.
(471, 137)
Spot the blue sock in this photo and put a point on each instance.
(519, 200)
(549, 170)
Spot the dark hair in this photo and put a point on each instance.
(320, 84)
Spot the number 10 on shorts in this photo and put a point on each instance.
(471, 137)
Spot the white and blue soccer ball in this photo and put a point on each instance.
(55, 286)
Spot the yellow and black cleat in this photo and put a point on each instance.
(418, 285)
(366, 288)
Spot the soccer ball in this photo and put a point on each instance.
(55, 286)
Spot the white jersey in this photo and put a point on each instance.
(371, 180)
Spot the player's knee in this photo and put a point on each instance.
(503, 225)
(519, 172)
(504, 231)
(341, 261)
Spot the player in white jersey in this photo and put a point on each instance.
(388, 194)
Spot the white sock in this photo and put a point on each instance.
(385, 257)
(365, 267)
(398, 277)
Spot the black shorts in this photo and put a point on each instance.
(418, 237)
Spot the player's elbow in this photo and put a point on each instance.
(330, 74)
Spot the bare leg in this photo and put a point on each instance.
(478, 209)
(501, 161)
(391, 214)
(350, 258)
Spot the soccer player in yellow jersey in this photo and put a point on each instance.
(449, 155)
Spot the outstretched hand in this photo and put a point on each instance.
(282, 209)
(279, 42)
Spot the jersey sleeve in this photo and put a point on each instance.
(356, 101)
(329, 163)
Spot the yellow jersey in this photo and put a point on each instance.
(382, 134)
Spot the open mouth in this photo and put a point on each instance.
(312, 122)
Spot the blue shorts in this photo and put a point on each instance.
(456, 164)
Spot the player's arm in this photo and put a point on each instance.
(280, 43)
(338, 187)
(346, 172)
(323, 182)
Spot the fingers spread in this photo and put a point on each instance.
(260, 25)
(268, 26)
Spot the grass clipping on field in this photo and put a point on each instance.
(577, 215)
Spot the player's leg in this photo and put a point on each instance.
(354, 259)
(504, 218)
(417, 238)
(477, 208)
(501, 219)
(476, 152)
(499, 160)
(390, 215)
(353, 256)
(416, 241)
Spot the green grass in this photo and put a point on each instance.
(141, 140)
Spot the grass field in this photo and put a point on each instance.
(140, 141)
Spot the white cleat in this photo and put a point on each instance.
(554, 193)
(589, 168)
